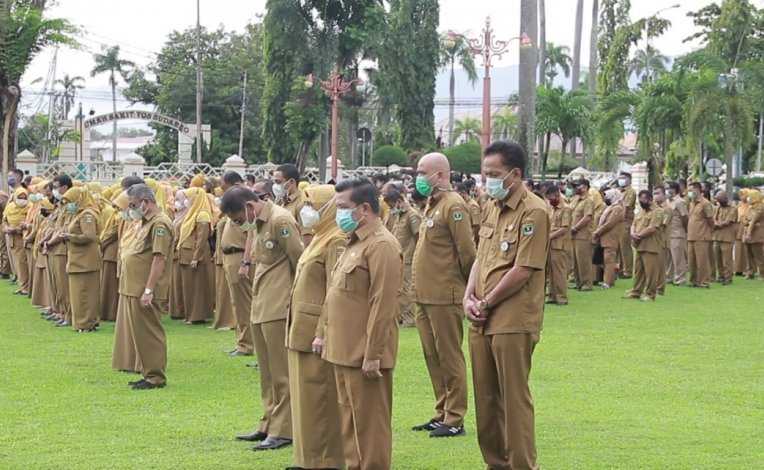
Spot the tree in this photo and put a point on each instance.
(647, 64)
(24, 32)
(110, 62)
(579, 25)
(505, 124)
(556, 57)
(465, 158)
(70, 86)
(387, 155)
(455, 49)
(469, 128)
(591, 148)
(527, 78)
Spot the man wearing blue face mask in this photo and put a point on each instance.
(361, 330)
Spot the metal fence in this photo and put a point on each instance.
(105, 172)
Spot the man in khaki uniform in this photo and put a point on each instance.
(582, 208)
(57, 252)
(361, 333)
(646, 239)
(725, 228)
(629, 204)
(144, 284)
(558, 264)
(234, 240)
(699, 236)
(286, 190)
(443, 257)
(464, 189)
(608, 236)
(406, 231)
(275, 249)
(677, 234)
(664, 217)
(504, 301)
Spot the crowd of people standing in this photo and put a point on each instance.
(316, 280)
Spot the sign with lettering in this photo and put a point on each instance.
(135, 114)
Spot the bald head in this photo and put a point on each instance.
(722, 198)
(437, 169)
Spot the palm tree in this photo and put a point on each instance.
(455, 49)
(647, 64)
(112, 63)
(505, 124)
(556, 56)
(70, 86)
(469, 128)
(527, 76)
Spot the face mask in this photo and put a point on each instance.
(178, 205)
(622, 182)
(345, 220)
(554, 202)
(278, 190)
(247, 225)
(35, 197)
(749, 200)
(136, 214)
(22, 202)
(423, 185)
(569, 192)
(644, 205)
(125, 215)
(309, 216)
(57, 194)
(71, 207)
(670, 193)
(495, 188)
(187, 203)
(692, 195)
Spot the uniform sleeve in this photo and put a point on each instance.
(534, 240)
(708, 211)
(630, 200)
(89, 229)
(201, 240)
(588, 208)
(290, 240)
(566, 219)
(385, 277)
(161, 240)
(681, 207)
(461, 234)
(415, 221)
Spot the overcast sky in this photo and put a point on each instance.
(140, 27)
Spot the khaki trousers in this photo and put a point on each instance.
(5, 263)
(610, 271)
(661, 284)
(647, 268)
(55, 297)
(30, 268)
(501, 366)
(61, 280)
(40, 289)
(365, 407)
(19, 258)
(441, 332)
(84, 292)
(558, 268)
(724, 260)
(124, 357)
(145, 325)
(755, 258)
(177, 303)
(224, 317)
(109, 290)
(627, 254)
(741, 257)
(582, 254)
(195, 285)
(269, 339)
(405, 304)
(678, 248)
(699, 262)
(315, 412)
(241, 300)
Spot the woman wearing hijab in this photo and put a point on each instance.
(195, 257)
(5, 262)
(40, 282)
(30, 227)
(83, 258)
(607, 233)
(177, 304)
(14, 217)
(754, 235)
(313, 389)
(109, 244)
(224, 316)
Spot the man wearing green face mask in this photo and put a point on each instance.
(442, 261)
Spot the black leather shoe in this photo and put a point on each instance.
(430, 425)
(273, 443)
(135, 382)
(145, 385)
(63, 323)
(256, 436)
(448, 431)
(237, 353)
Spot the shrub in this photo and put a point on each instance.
(465, 158)
(387, 155)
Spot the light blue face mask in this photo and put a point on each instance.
(495, 188)
(345, 220)
(71, 207)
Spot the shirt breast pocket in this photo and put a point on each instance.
(508, 246)
(352, 277)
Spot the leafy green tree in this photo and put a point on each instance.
(387, 155)
(465, 158)
(110, 62)
(468, 129)
(647, 64)
(70, 87)
(557, 58)
(455, 49)
(505, 124)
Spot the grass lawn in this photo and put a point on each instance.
(674, 384)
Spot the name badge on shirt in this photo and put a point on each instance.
(430, 223)
(269, 245)
(504, 246)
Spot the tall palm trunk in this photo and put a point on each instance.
(546, 156)
(114, 122)
(542, 73)
(528, 62)
(563, 153)
(451, 103)
(576, 70)
(593, 64)
(10, 100)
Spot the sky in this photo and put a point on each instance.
(140, 28)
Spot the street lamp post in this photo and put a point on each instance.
(335, 87)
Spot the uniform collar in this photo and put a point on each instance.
(149, 218)
(513, 200)
(363, 232)
(439, 195)
(265, 212)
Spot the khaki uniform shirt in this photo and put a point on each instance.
(581, 207)
(475, 215)
(360, 303)
(643, 221)
(60, 225)
(755, 226)
(515, 232)
(697, 227)
(293, 203)
(153, 237)
(83, 251)
(664, 219)
(629, 203)
(275, 251)
(444, 252)
(561, 218)
(725, 215)
(406, 230)
(611, 228)
(233, 241)
(678, 210)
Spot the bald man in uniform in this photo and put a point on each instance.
(275, 247)
(442, 261)
(582, 207)
(725, 228)
(699, 236)
(629, 203)
(504, 301)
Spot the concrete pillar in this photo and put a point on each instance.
(26, 161)
(133, 165)
(639, 176)
(235, 163)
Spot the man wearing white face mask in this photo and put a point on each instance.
(442, 261)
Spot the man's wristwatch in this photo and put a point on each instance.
(148, 291)
(246, 263)
(483, 305)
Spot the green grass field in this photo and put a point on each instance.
(674, 384)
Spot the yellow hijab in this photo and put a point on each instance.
(755, 198)
(111, 223)
(197, 181)
(14, 214)
(200, 211)
(325, 232)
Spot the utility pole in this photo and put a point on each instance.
(51, 103)
(243, 113)
(761, 137)
(199, 138)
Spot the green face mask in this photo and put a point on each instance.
(423, 186)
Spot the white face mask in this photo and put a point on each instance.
(178, 205)
(309, 216)
(22, 202)
(57, 194)
(187, 203)
(278, 190)
(622, 182)
(217, 201)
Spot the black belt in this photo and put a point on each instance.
(229, 250)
